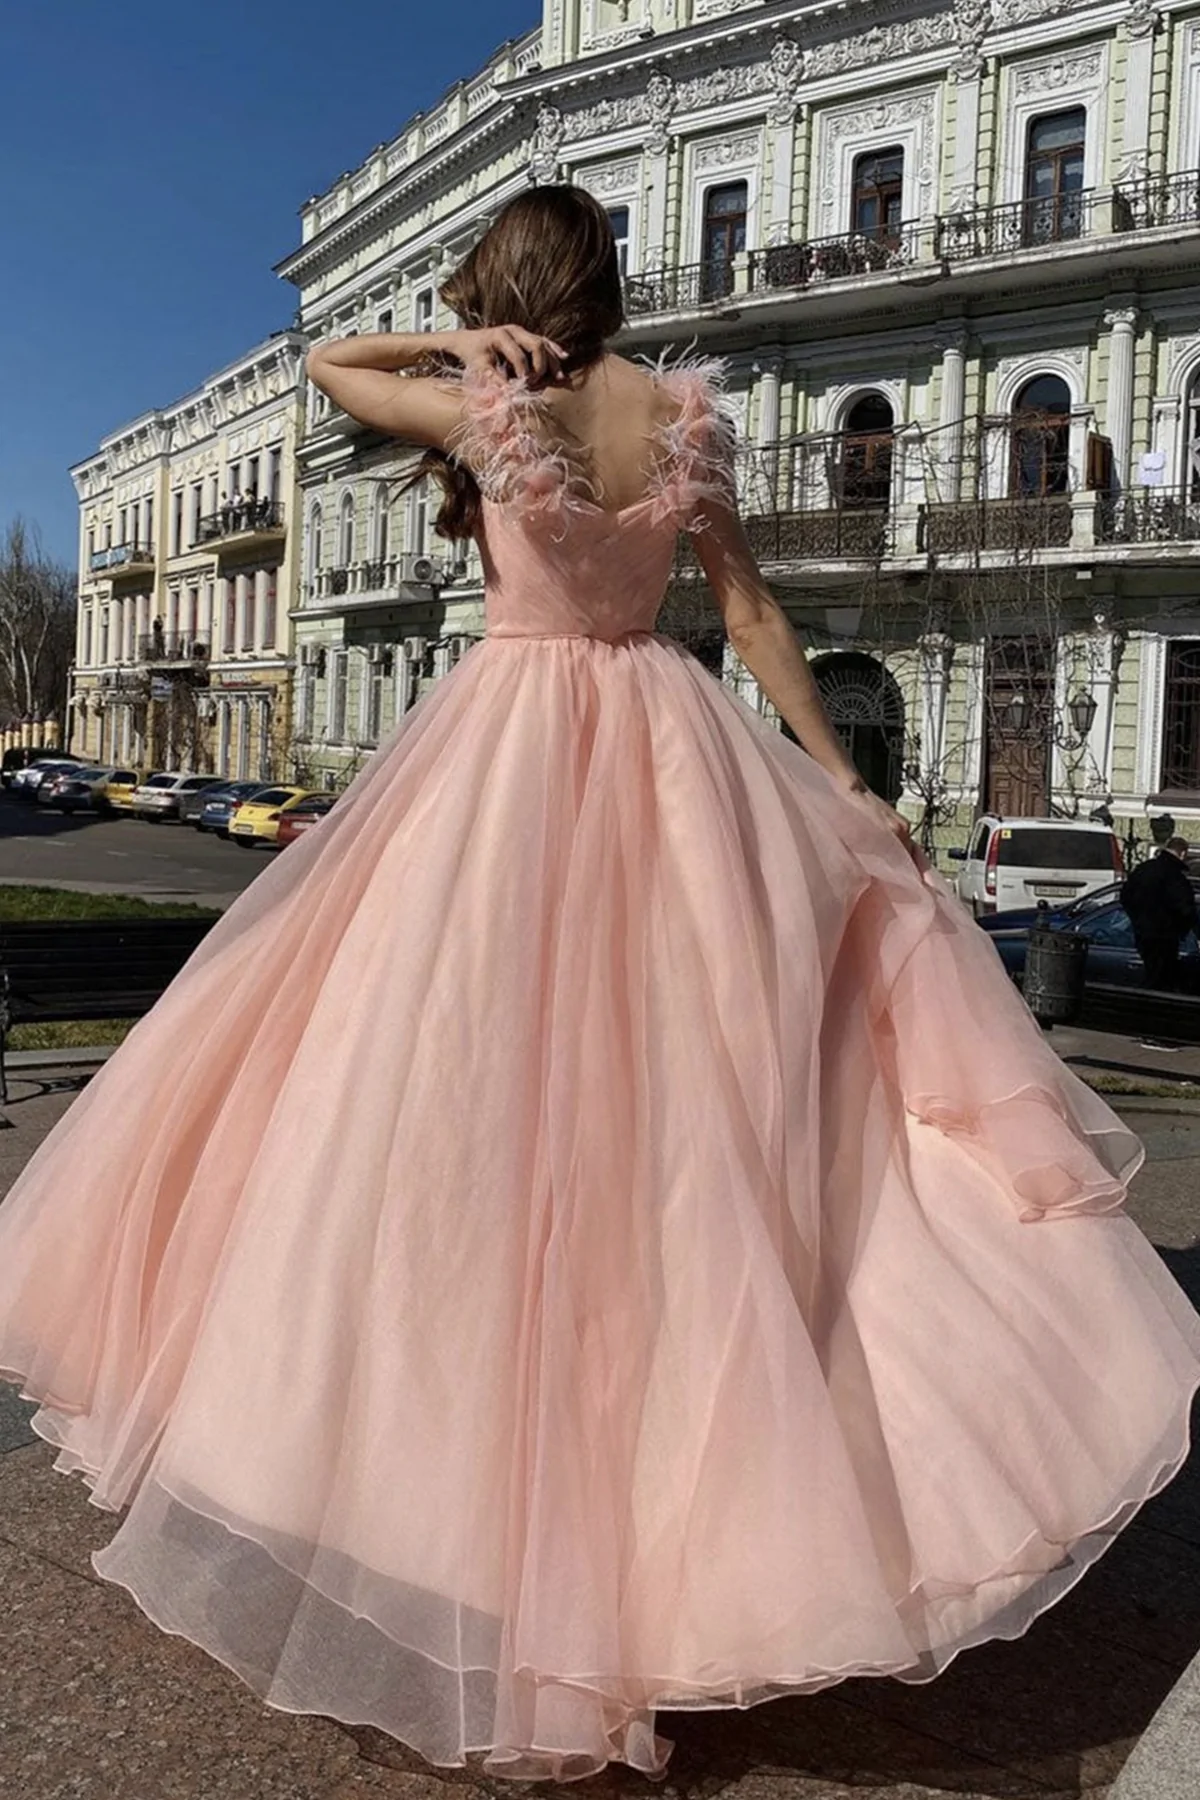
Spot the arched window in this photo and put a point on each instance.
(866, 709)
(879, 194)
(346, 532)
(724, 237)
(866, 452)
(1191, 459)
(1054, 177)
(381, 520)
(1041, 426)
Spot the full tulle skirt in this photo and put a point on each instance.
(592, 1230)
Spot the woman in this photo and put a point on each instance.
(592, 1230)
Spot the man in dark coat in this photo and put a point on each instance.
(1161, 903)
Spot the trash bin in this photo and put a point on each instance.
(1055, 967)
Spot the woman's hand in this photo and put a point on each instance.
(537, 358)
(880, 811)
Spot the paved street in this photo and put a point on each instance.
(131, 856)
(96, 1703)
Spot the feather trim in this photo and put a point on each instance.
(697, 447)
(500, 445)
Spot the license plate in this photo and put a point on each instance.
(1045, 891)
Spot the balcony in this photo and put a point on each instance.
(162, 647)
(408, 576)
(833, 258)
(1171, 200)
(960, 528)
(828, 535)
(242, 524)
(1029, 225)
(1151, 516)
(122, 559)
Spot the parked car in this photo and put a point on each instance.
(1102, 920)
(298, 819)
(116, 796)
(193, 800)
(19, 756)
(1013, 862)
(81, 789)
(159, 795)
(26, 781)
(222, 801)
(256, 820)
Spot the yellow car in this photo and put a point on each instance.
(116, 796)
(256, 821)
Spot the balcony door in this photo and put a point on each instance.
(723, 237)
(878, 204)
(865, 475)
(1018, 707)
(1040, 439)
(1054, 177)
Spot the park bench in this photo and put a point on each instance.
(58, 969)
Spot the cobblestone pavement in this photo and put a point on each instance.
(96, 1703)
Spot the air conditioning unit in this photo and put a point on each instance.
(419, 570)
(414, 648)
(459, 646)
(380, 656)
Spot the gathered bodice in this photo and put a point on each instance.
(555, 562)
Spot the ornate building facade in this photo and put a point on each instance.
(188, 568)
(950, 252)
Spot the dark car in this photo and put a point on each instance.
(27, 779)
(19, 756)
(194, 795)
(220, 804)
(1101, 919)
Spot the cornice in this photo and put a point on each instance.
(359, 221)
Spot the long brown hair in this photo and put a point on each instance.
(549, 263)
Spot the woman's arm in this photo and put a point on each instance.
(766, 643)
(359, 375)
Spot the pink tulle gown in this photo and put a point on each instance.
(592, 1229)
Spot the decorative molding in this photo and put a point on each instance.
(611, 178)
(786, 64)
(660, 104)
(972, 22)
(880, 44)
(1080, 70)
(548, 135)
(1025, 12)
(909, 120)
(1121, 318)
(718, 153)
(1141, 18)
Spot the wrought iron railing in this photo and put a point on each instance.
(818, 536)
(171, 646)
(120, 556)
(235, 518)
(834, 258)
(957, 528)
(1022, 225)
(1151, 516)
(1164, 200)
(679, 289)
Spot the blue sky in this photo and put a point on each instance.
(153, 159)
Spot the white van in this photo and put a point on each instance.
(1013, 863)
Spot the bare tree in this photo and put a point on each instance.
(37, 627)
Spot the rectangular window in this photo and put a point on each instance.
(879, 195)
(122, 526)
(230, 619)
(176, 521)
(274, 474)
(724, 237)
(267, 624)
(197, 509)
(336, 694)
(306, 700)
(150, 520)
(1054, 177)
(423, 310)
(384, 322)
(87, 637)
(104, 623)
(420, 520)
(618, 218)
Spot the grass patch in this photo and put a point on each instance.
(66, 903)
(1131, 1086)
(21, 903)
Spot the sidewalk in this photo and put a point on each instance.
(97, 1703)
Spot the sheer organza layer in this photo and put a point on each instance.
(592, 1231)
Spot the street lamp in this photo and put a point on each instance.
(1082, 708)
(1019, 711)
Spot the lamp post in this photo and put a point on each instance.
(1082, 709)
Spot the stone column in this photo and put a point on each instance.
(952, 342)
(770, 370)
(1118, 412)
(261, 579)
